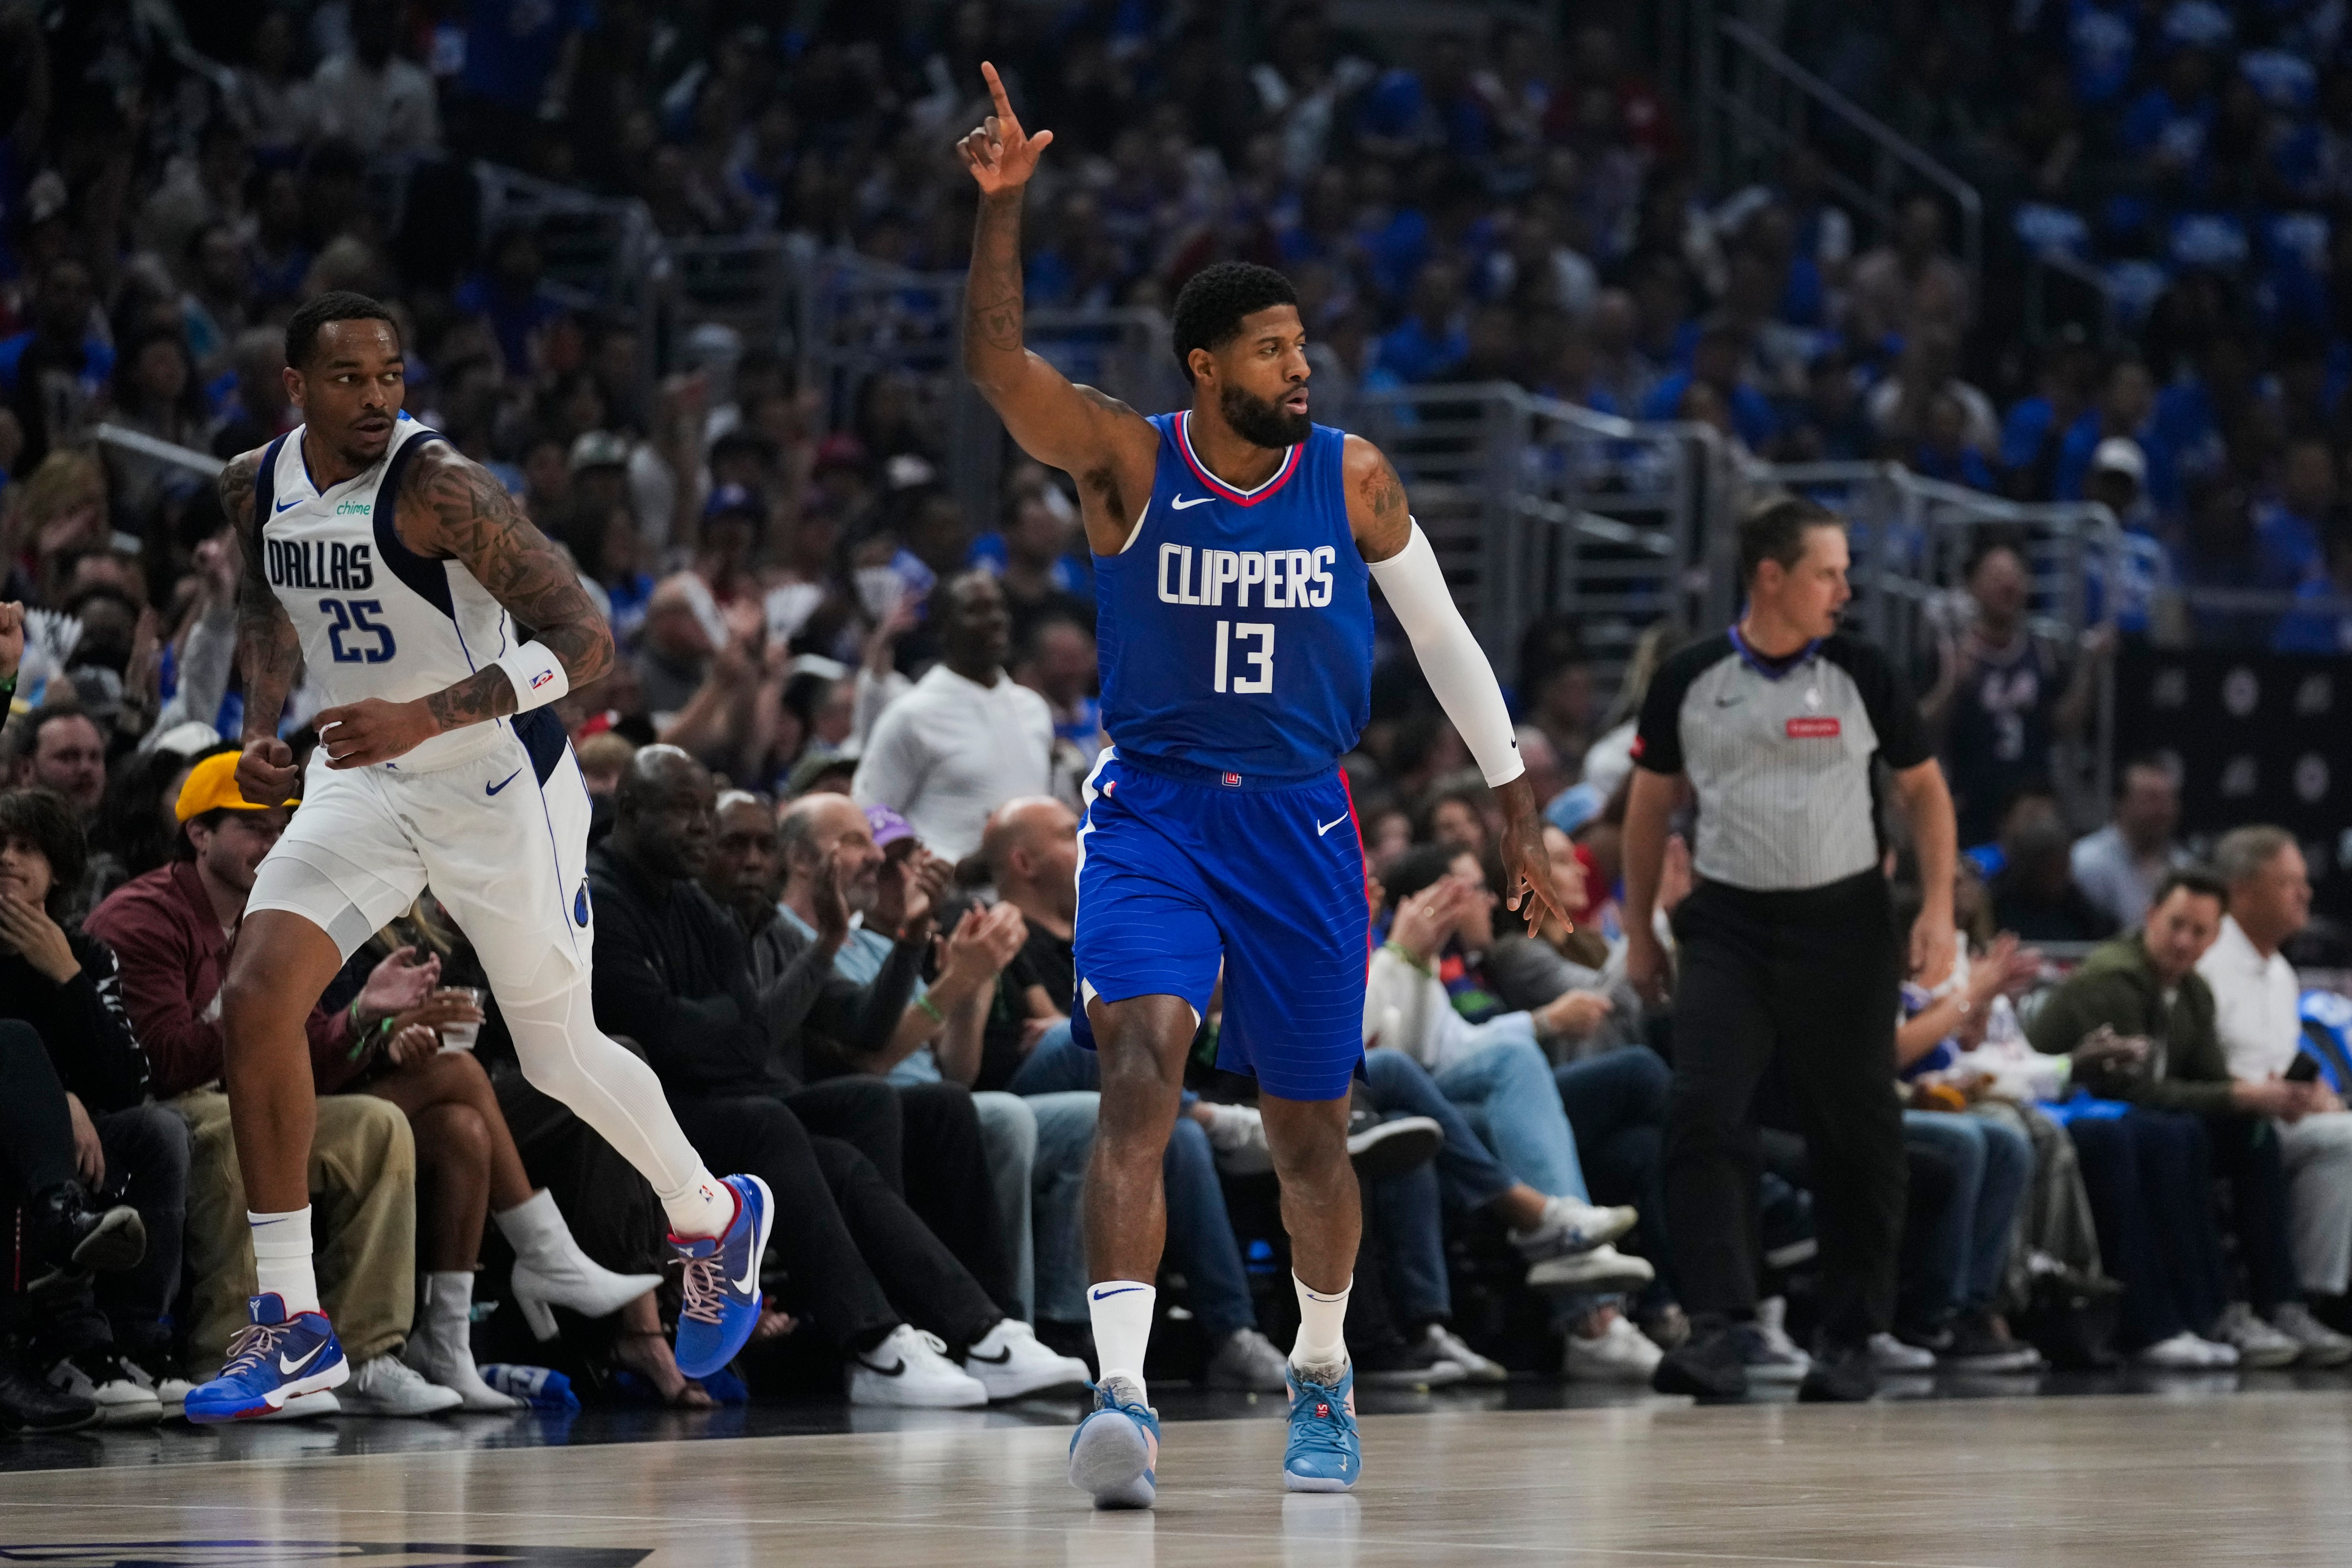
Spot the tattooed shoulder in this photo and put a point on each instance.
(234, 486)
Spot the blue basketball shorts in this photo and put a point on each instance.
(1182, 871)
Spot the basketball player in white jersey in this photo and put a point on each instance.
(440, 624)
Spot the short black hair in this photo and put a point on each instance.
(43, 819)
(1418, 867)
(2141, 761)
(1210, 305)
(2199, 880)
(335, 305)
(1775, 531)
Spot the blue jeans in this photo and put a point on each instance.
(1616, 1105)
(1200, 1240)
(1969, 1246)
(1507, 1090)
(1066, 1136)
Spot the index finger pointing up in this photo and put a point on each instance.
(1011, 121)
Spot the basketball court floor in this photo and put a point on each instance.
(2203, 1472)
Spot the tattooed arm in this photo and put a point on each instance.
(269, 651)
(452, 509)
(1377, 513)
(1105, 445)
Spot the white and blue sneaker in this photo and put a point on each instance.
(273, 1359)
(1325, 1454)
(722, 1281)
(1115, 1452)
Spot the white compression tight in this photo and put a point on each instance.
(567, 1057)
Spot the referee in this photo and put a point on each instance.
(1787, 944)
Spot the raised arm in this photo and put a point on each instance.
(1107, 447)
(452, 509)
(268, 650)
(1406, 569)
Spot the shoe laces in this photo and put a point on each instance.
(254, 1344)
(705, 1287)
(1321, 1411)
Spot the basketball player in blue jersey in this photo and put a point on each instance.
(1234, 543)
(440, 624)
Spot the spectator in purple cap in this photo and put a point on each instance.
(967, 737)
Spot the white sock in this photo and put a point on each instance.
(704, 1206)
(1322, 1324)
(281, 1259)
(1121, 1310)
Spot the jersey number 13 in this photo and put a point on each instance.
(1255, 675)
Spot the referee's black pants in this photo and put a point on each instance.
(1812, 976)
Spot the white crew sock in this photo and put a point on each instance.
(1121, 1310)
(1322, 1324)
(281, 1259)
(704, 1206)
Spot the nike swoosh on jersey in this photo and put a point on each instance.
(285, 504)
(1323, 828)
(493, 789)
(1179, 503)
(289, 1368)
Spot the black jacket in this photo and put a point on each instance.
(82, 1023)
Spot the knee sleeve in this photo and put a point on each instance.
(566, 1058)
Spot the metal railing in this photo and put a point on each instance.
(1754, 103)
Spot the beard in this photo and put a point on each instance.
(1260, 423)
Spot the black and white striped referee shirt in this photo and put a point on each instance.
(1778, 752)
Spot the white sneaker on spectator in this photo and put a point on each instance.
(2257, 1343)
(2184, 1351)
(1619, 1353)
(2322, 1346)
(1568, 1226)
(1451, 1346)
(1008, 1362)
(1237, 1136)
(911, 1368)
(390, 1386)
(1247, 1360)
(1598, 1269)
(1889, 1354)
(171, 1389)
(99, 1377)
(1764, 1347)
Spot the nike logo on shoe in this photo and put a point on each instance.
(1322, 828)
(1178, 503)
(493, 789)
(999, 1359)
(750, 1280)
(289, 1368)
(894, 1369)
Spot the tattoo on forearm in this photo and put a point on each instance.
(991, 297)
(450, 505)
(268, 649)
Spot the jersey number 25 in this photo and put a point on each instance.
(357, 615)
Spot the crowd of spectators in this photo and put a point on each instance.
(838, 770)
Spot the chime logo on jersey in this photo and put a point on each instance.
(319, 564)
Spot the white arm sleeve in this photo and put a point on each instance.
(1450, 656)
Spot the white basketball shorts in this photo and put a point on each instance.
(502, 838)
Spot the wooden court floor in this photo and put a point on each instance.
(2083, 1482)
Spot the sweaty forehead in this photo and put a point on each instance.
(366, 344)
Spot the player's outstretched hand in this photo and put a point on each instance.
(265, 773)
(361, 734)
(1000, 154)
(1527, 863)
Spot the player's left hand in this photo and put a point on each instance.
(1526, 865)
(371, 730)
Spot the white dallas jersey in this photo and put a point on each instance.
(376, 619)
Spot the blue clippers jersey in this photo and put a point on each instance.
(1236, 629)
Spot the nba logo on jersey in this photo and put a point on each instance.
(541, 679)
(1233, 781)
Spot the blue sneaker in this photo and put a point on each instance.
(1115, 1452)
(722, 1281)
(1325, 1454)
(273, 1359)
